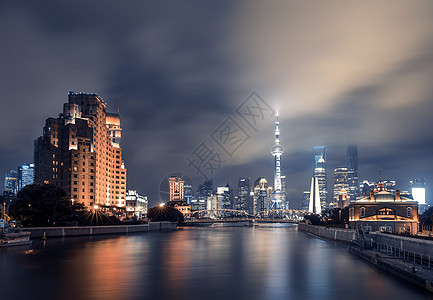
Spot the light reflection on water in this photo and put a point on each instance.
(195, 263)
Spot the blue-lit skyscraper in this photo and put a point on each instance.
(26, 175)
(352, 171)
(11, 182)
(319, 171)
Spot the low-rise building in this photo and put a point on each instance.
(384, 211)
(136, 205)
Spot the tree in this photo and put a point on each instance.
(44, 205)
(165, 213)
(426, 218)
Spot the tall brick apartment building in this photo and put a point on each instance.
(80, 152)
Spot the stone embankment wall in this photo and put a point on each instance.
(331, 233)
(38, 232)
(416, 245)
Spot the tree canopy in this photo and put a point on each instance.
(165, 213)
(44, 205)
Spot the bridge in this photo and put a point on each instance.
(233, 216)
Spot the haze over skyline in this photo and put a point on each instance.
(344, 72)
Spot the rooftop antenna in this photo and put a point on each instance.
(380, 175)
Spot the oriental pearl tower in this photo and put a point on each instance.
(277, 151)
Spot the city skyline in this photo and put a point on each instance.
(175, 81)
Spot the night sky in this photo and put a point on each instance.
(338, 72)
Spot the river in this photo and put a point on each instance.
(195, 263)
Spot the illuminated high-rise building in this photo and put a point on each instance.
(277, 151)
(352, 172)
(227, 196)
(26, 175)
(243, 198)
(262, 195)
(176, 189)
(80, 152)
(11, 182)
(188, 193)
(306, 201)
(319, 171)
(340, 182)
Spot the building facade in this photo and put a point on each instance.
(136, 205)
(26, 175)
(384, 211)
(11, 182)
(80, 152)
(176, 189)
(243, 199)
(340, 182)
(262, 195)
(352, 172)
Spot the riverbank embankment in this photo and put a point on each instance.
(330, 233)
(38, 232)
(409, 258)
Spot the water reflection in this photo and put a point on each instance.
(195, 263)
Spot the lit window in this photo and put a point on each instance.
(409, 212)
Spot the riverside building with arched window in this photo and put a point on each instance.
(384, 211)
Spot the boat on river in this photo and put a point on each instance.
(14, 237)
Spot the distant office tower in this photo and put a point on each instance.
(306, 201)
(262, 195)
(243, 199)
(188, 193)
(315, 201)
(340, 182)
(215, 202)
(342, 199)
(26, 175)
(136, 205)
(319, 171)
(205, 190)
(352, 171)
(366, 187)
(176, 190)
(283, 190)
(417, 187)
(80, 152)
(227, 196)
(277, 151)
(11, 182)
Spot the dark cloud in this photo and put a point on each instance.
(338, 73)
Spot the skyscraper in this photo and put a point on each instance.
(277, 151)
(188, 194)
(340, 183)
(319, 171)
(262, 195)
(26, 175)
(352, 171)
(176, 189)
(80, 152)
(227, 196)
(243, 199)
(315, 203)
(11, 182)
